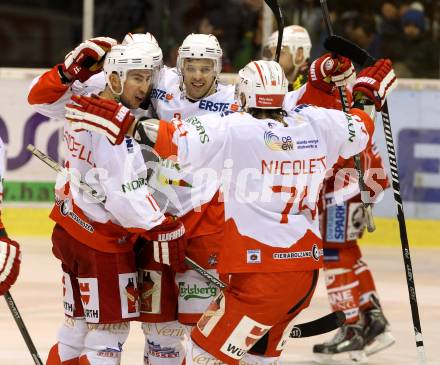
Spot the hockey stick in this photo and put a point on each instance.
(317, 327)
(102, 199)
(348, 49)
(23, 330)
(278, 14)
(345, 107)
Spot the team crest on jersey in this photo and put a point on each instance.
(276, 143)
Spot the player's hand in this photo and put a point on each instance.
(104, 116)
(375, 83)
(86, 59)
(10, 258)
(169, 243)
(327, 72)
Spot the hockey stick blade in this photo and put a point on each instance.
(346, 48)
(319, 326)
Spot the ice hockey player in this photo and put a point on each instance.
(10, 254)
(294, 56)
(94, 241)
(189, 90)
(349, 281)
(272, 182)
(350, 284)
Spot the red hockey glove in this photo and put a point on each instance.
(375, 83)
(10, 258)
(86, 59)
(169, 243)
(326, 72)
(104, 116)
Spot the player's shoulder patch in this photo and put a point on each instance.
(301, 107)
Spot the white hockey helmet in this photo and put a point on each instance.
(263, 84)
(200, 46)
(294, 37)
(135, 54)
(149, 41)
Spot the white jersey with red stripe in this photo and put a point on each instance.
(188, 192)
(271, 176)
(169, 101)
(117, 172)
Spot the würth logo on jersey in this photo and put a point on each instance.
(255, 334)
(84, 289)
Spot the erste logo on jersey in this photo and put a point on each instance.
(161, 95)
(276, 143)
(220, 107)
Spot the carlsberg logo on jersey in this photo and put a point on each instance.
(189, 292)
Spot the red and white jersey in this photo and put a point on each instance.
(271, 176)
(342, 182)
(194, 197)
(169, 101)
(117, 172)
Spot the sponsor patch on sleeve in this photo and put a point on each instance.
(336, 223)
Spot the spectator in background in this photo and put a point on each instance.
(390, 24)
(250, 32)
(414, 53)
(362, 31)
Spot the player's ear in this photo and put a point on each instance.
(115, 82)
(243, 100)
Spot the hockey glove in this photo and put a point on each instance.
(86, 59)
(375, 83)
(169, 243)
(326, 72)
(104, 116)
(10, 258)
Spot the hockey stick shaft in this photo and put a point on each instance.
(362, 57)
(276, 10)
(102, 199)
(319, 326)
(22, 328)
(345, 108)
